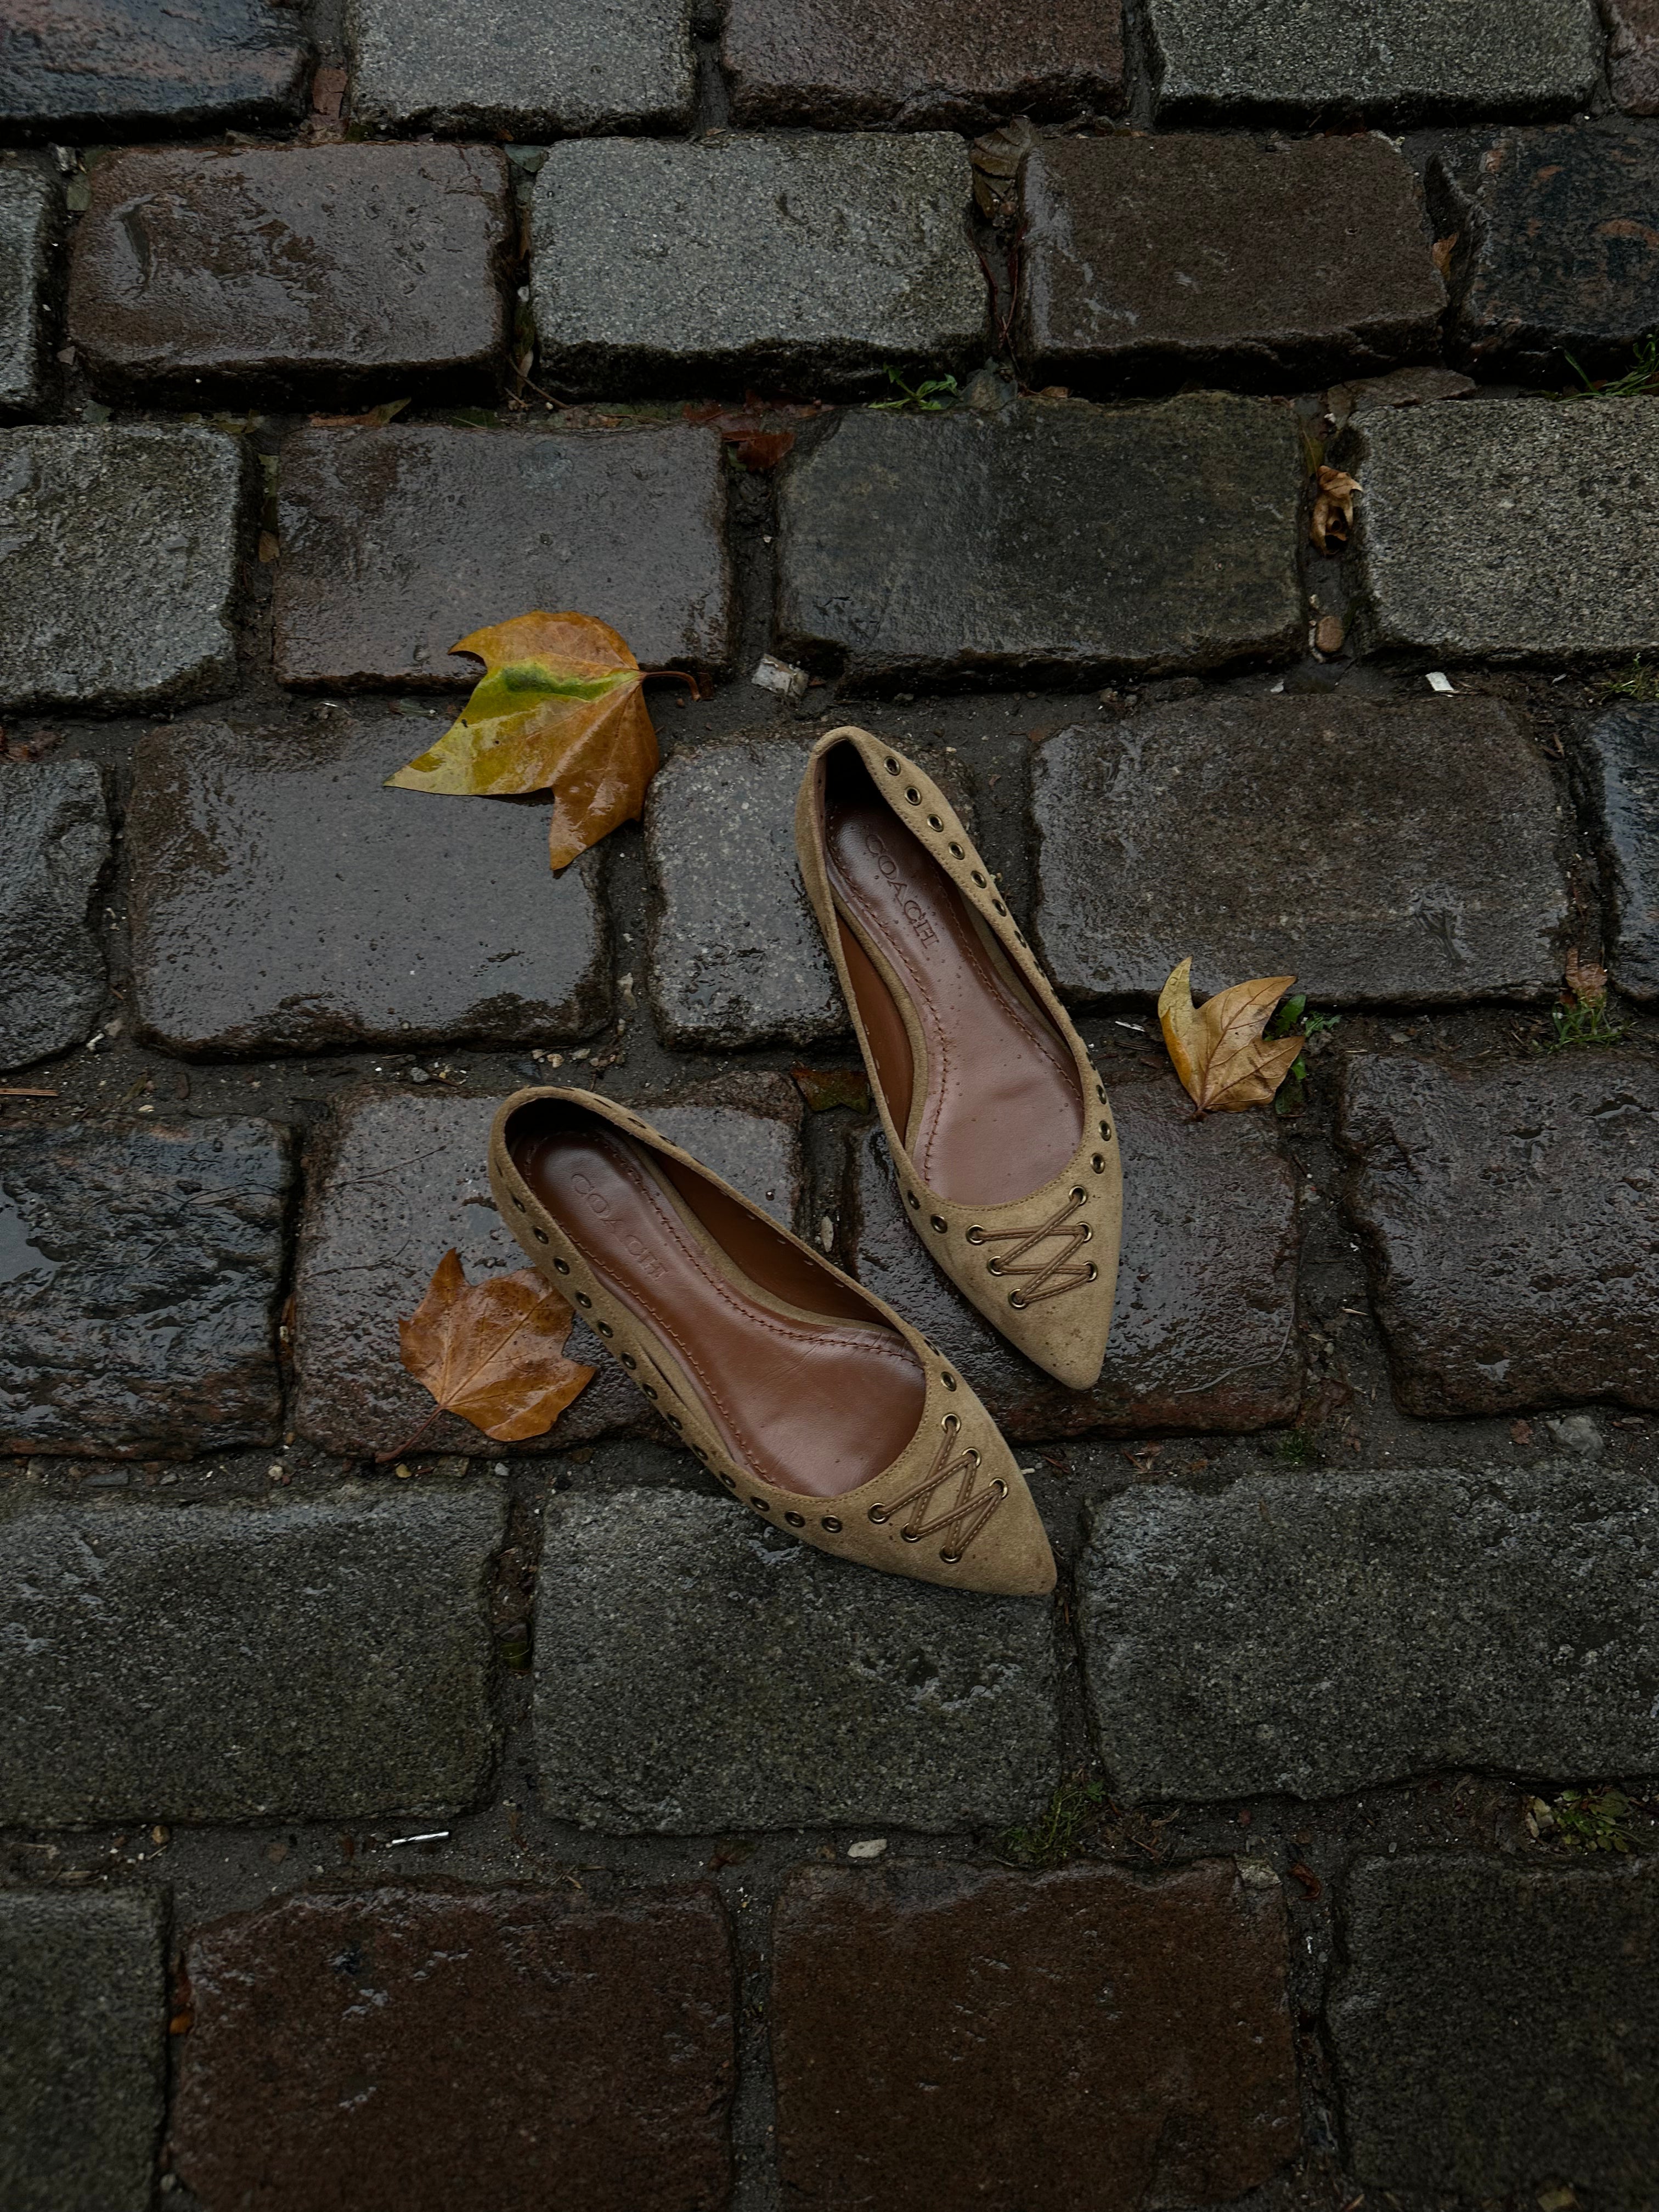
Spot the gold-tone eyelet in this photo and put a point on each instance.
(951, 1558)
(561, 1265)
(1094, 1272)
(1098, 1164)
(1001, 1488)
(911, 1199)
(949, 1380)
(796, 1520)
(979, 878)
(956, 853)
(604, 1328)
(913, 794)
(730, 1480)
(949, 1423)
(933, 822)
(993, 1267)
(878, 1515)
(1106, 1131)
(834, 1526)
(911, 1535)
(540, 1235)
(1019, 940)
(973, 1456)
(629, 1362)
(1086, 1232)
(1100, 1092)
(582, 1299)
(760, 1505)
(1017, 1301)
(975, 1235)
(892, 765)
(999, 907)
(938, 1223)
(1079, 1195)
(520, 1204)
(648, 1391)
(675, 1422)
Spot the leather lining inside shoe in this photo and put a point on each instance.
(804, 1385)
(993, 1111)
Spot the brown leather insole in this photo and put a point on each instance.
(805, 1386)
(997, 1113)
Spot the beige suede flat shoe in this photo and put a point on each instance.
(807, 1399)
(998, 1124)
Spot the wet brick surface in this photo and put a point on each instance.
(137, 1310)
(1494, 2027)
(429, 2046)
(118, 565)
(1082, 2041)
(519, 69)
(292, 269)
(1083, 539)
(29, 217)
(54, 845)
(396, 543)
(1483, 530)
(766, 1685)
(284, 900)
(1633, 54)
(1308, 1634)
(758, 257)
(923, 65)
(1203, 1333)
(1511, 1220)
(1558, 250)
(315, 1658)
(1382, 852)
(82, 2045)
(1277, 263)
(399, 1182)
(111, 68)
(1623, 751)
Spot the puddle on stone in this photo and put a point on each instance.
(17, 1255)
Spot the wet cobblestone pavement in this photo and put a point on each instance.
(519, 1825)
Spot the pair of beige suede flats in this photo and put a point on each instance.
(811, 1402)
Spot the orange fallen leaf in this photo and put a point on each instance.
(375, 418)
(560, 708)
(493, 1351)
(1586, 980)
(1333, 514)
(1218, 1048)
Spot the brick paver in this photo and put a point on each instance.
(283, 899)
(763, 1685)
(1080, 538)
(1380, 851)
(396, 543)
(82, 2037)
(318, 1658)
(1511, 1220)
(397, 1181)
(1277, 264)
(29, 216)
(1203, 1332)
(1494, 2027)
(518, 69)
(427, 2047)
(137, 1310)
(108, 69)
(1623, 751)
(817, 257)
(925, 65)
(1315, 1633)
(1633, 54)
(282, 270)
(54, 846)
(1390, 60)
(118, 565)
(1483, 529)
(1559, 249)
(1083, 2041)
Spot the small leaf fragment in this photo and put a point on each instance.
(1217, 1049)
(1587, 979)
(824, 1088)
(493, 1351)
(1333, 514)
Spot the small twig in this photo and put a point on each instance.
(382, 1459)
(20, 1093)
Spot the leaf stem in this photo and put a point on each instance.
(382, 1459)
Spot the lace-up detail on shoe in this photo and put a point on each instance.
(969, 1514)
(1061, 1272)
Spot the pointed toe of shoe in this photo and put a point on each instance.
(1069, 1345)
(1016, 1560)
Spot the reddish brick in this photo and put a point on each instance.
(923, 63)
(422, 2050)
(287, 269)
(1633, 54)
(396, 543)
(1203, 1331)
(1073, 2042)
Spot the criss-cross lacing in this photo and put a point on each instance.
(1051, 1277)
(973, 1510)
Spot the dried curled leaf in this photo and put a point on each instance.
(1218, 1048)
(1587, 979)
(494, 1352)
(1333, 514)
(561, 708)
